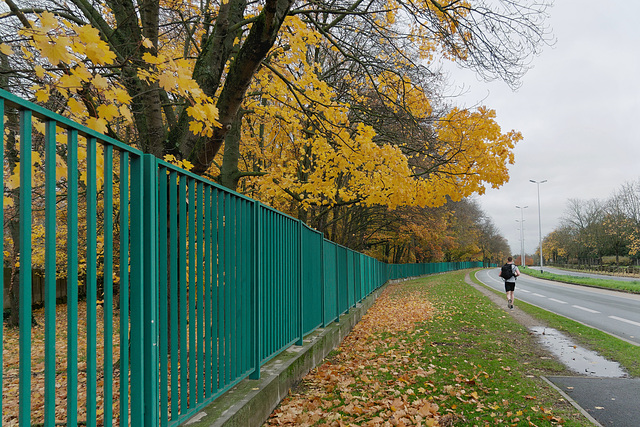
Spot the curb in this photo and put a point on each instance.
(251, 402)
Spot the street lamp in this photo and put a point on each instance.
(521, 231)
(522, 254)
(539, 222)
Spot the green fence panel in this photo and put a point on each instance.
(343, 279)
(210, 284)
(279, 287)
(312, 279)
(330, 300)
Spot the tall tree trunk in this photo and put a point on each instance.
(229, 172)
(261, 38)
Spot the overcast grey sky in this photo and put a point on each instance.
(579, 111)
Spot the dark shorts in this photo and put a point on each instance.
(509, 286)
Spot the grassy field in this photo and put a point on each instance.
(618, 285)
(432, 351)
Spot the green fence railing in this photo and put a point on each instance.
(177, 288)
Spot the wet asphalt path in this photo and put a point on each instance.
(616, 313)
(610, 401)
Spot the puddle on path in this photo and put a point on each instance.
(576, 358)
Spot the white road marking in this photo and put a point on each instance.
(585, 309)
(624, 320)
(525, 291)
(539, 295)
(558, 301)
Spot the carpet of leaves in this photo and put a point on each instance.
(411, 362)
(10, 371)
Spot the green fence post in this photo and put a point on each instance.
(49, 274)
(108, 285)
(150, 289)
(300, 280)
(337, 286)
(91, 282)
(25, 270)
(124, 285)
(256, 310)
(137, 294)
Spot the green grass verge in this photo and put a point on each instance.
(483, 366)
(467, 363)
(610, 347)
(618, 285)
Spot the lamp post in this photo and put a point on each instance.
(521, 231)
(539, 222)
(522, 254)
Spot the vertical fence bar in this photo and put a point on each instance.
(220, 290)
(182, 268)
(163, 295)
(72, 277)
(173, 277)
(214, 290)
(191, 214)
(256, 280)
(91, 282)
(124, 288)
(150, 289)
(207, 290)
(25, 268)
(227, 286)
(247, 268)
(300, 283)
(137, 294)
(49, 274)
(200, 290)
(108, 286)
(232, 244)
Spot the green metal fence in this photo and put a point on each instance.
(177, 289)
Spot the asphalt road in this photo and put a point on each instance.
(616, 313)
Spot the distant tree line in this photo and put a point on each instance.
(593, 229)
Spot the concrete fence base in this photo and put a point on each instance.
(250, 403)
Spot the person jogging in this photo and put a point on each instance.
(509, 272)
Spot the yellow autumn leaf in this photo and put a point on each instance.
(166, 81)
(126, 113)
(121, 96)
(75, 107)
(48, 21)
(57, 51)
(39, 70)
(195, 127)
(100, 82)
(88, 34)
(42, 95)
(99, 125)
(5, 49)
(71, 81)
(107, 111)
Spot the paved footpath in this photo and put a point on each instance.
(607, 401)
(611, 401)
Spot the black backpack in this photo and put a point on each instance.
(507, 271)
